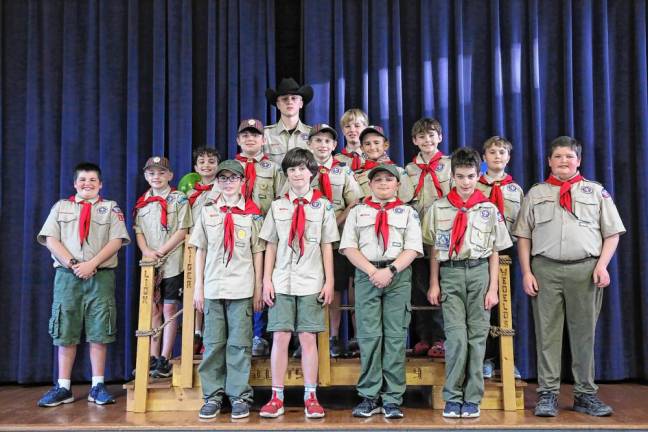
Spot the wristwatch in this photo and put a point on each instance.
(392, 268)
(72, 262)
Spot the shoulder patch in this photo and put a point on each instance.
(329, 207)
(605, 193)
(102, 210)
(116, 209)
(304, 136)
(485, 213)
(399, 210)
(587, 189)
(258, 218)
(511, 187)
(169, 198)
(182, 199)
(265, 164)
(316, 204)
(500, 218)
(440, 167)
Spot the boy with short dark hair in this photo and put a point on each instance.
(374, 144)
(229, 266)
(465, 232)
(298, 281)
(381, 238)
(568, 229)
(83, 234)
(336, 181)
(162, 220)
(429, 173)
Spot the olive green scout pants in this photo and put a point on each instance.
(382, 319)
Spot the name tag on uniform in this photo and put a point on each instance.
(240, 244)
(312, 240)
(396, 244)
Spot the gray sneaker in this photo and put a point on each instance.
(260, 347)
(210, 409)
(240, 409)
(591, 404)
(547, 405)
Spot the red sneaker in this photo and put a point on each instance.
(437, 350)
(272, 409)
(421, 348)
(312, 407)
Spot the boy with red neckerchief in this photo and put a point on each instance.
(336, 181)
(374, 145)
(298, 280)
(465, 232)
(229, 271)
(500, 189)
(352, 122)
(83, 234)
(429, 173)
(162, 220)
(262, 183)
(568, 229)
(205, 162)
(381, 238)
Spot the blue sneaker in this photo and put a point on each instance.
(452, 410)
(470, 410)
(56, 396)
(99, 395)
(489, 368)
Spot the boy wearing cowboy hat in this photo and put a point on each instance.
(289, 132)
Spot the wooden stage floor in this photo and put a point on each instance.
(18, 411)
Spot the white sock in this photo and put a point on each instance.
(65, 383)
(308, 389)
(97, 380)
(198, 332)
(279, 392)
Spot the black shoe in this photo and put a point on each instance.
(335, 347)
(210, 409)
(366, 408)
(240, 409)
(162, 369)
(547, 405)
(591, 404)
(392, 411)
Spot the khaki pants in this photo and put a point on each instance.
(466, 325)
(565, 291)
(382, 320)
(225, 367)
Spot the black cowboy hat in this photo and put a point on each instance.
(288, 86)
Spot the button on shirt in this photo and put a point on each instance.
(279, 140)
(293, 275)
(236, 279)
(360, 233)
(428, 193)
(513, 196)
(486, 231)
(107, 223)
(559, 235)
(147, 222)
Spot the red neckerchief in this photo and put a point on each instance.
(143, 202)
(298, 224)
(369, 164)
(228, 225)
(356, 163)
(325, 181)
(84, 217)
(250, 174)
(496, 196)
(382, 223)
(429, 168)
(461, 219)
(565, 190)
(199, 189)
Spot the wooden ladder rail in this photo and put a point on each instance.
(506, 342)
(147, 287)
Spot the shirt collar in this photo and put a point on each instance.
(292, 196)
(220, 202)
(164, 193)
(78, 199)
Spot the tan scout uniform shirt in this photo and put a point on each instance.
(404, 232)
(486, 231)
(428, 193)
(293, 275)
(513, 196)
(279, 140)
(348, 160)
(147, 222)
(405, 191)
(107, 223)
(200, 201)
(559, 235)
(268, 184)
(236, 279)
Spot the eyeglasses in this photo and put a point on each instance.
(230, 179)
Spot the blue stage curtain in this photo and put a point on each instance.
(112, 82)
(527, 70)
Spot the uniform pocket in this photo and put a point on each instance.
(407, 316)
(479, 235)
(543, 210)
(587, 209)
(55, 321)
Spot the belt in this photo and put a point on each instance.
(67, 270)
(467, 263)
(582, 260)
(382, 264)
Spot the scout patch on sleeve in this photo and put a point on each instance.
(500, 218)
(329, 207)
(182, 199)
(119, 213)
(257, 218)
(169, 199)
(304, 136)
(605, 193)
(442, 241)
